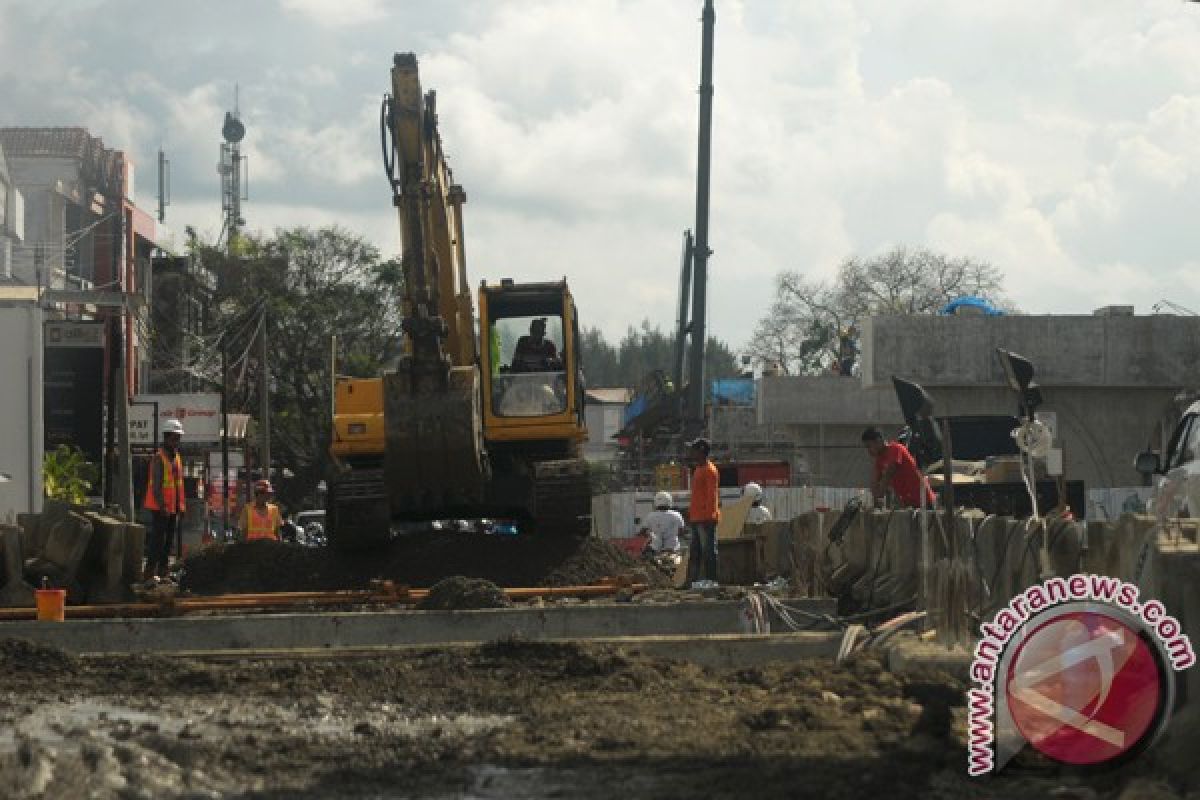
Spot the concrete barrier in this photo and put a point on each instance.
(391, 628)
(14, 591)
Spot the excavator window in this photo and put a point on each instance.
(530, 380)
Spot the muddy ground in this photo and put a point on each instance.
(508, 719)
(418, 559)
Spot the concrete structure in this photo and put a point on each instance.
(821, 418)
(21, 398)
(605, 413)
(1110, 379)
(86, 250)
(83, 229)
(391, 628)
(12, 219)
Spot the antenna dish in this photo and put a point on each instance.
(233, 130)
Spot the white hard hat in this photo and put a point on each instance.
(662, 500)
(753, 491)
(173, 426)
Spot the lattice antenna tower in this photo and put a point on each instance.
(235, 179)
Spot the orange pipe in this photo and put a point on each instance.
(231, 602)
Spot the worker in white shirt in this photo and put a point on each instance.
(758, 513)
(662, 525)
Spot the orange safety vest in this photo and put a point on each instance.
(172, 486)
(262, 524)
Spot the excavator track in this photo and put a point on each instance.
(562, 497)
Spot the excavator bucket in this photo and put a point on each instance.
(434, 462)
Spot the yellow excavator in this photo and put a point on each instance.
(480, 419)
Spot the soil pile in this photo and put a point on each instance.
(457, 592)
(418, 559)
(22, 655)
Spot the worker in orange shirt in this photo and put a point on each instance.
(704, 512)
(261, 519)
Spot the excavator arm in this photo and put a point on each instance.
(438, 314)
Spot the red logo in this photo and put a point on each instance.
(1085, 688)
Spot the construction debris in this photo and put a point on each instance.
(458, 593)
(418, 559)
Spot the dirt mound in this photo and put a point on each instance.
(419, 559)
(22, 655)
(458, 592)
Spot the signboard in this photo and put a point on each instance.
(74, 387)
(75, 334)
(200, 414)
(237, 460)
(143, 426)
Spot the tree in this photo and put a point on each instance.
(804, 331)
(601, 363)
(640, 352)
(312, 285)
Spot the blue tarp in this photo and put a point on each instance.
(635, 409)
(733, 392)
(970, 301)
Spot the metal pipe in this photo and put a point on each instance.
(234, 602)
(683, 322)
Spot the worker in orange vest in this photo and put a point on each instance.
(261, 519)
(165, 499)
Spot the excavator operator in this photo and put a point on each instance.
(535, 353)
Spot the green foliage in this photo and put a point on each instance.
(313, 285)
(802, 331)
(67, 475)
(642, 351)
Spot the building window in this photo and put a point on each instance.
(3, 206)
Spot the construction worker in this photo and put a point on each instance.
(758, 513)
(165, 500)
(704, 512)
(261, 519)
(535, 353)
(895, 471)
(662, 525)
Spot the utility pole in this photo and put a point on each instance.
(164, 185)
(264, 405)
(694, 407)
(224, 437)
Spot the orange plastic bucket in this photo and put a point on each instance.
(51, 604)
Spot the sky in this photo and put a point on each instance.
(1057, 139)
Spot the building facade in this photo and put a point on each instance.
(86, 249)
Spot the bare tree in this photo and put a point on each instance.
(811, 323)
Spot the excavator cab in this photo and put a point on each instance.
(532, 343)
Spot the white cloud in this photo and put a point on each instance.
(1061, 141)
(336, 12)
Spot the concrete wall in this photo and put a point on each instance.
(21, 436)
(599, 445)
(1159, 351)
(823, 417)
(1110, 380)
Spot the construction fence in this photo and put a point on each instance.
(962, 572)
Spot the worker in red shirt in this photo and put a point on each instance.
(895, 471)
(704, 511)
